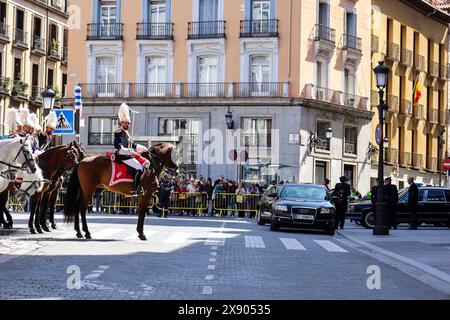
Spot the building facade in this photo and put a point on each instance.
(283, 74)
(411, 37)
(33, 53)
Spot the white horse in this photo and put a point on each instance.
(17, 161)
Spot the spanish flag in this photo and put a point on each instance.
(417, 91)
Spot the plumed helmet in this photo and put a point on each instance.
(51, 120)
(34, 121)
(124, 113)
(24, 116)
(12, 119)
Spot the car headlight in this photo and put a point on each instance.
(281, 208)
(326, 210)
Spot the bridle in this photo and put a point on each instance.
(171, 171)
(26, 165)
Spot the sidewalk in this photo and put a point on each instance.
(426, 250)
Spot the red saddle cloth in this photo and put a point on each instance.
(119, 171)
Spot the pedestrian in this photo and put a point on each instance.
(391, 199)
(413, 202)
(326, 183)
(209, 191)
(240, 200)
(341, 194)
(355, 194)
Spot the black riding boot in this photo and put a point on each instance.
(137, 189)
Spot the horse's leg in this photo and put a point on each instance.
(87, 195)
(143, 204)
(32, 212)
(43, 212)
(51, 209)
(38, 213)
(5, 210)
(77, 226)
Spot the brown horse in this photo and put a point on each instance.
(94, 172)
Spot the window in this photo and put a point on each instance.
(207, 76)
(324, 14)
(349, 172)
(50, 77)
(106, 75)
(324, 143)
(156, 76)
(320, 171)
(35, 75)
(322, 80)
(256, 132)
(101, 130)
(64, 84)
(20, 16)
(1, 63)
(260, 15)
(17, 69)
(435, 196)
(260, 70)
(208, 10)
(349, 82)
(37, 27)
(350, 24)
(108, 13)
(3, 13)
(351, 138)
(157, 13)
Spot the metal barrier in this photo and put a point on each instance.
(187, 201)
(117, 202)
(59, 204)
(15, 204)
(236, 203)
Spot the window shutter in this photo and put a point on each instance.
(118, 10)
(168, 10)
(248, 9)
(96, 11)
(272, 9)
(145, 11)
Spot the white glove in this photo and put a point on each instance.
(140, 148)
(125, 151)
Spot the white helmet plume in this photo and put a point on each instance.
(34, 122)
(24, 116)
(124, 113)
(51, 120)
(11, 119)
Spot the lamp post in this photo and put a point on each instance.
(229, 119)
(441, 144)
(381, 77)
(48, 98)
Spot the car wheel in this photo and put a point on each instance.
(368, 219)
(274, 226)
(330, 231)
(260, 220)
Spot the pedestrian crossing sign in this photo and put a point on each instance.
(66, 122)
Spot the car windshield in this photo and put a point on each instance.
(306, 193)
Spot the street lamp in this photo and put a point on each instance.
(441, 144)
(381, 78)
(48, 98)
(329, 133)
(229, 119)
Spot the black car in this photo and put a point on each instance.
(306, 206)
(434, 208)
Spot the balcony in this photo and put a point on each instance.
(260, 89)
(406, 59)
(407, 107)
(206, 30)
(65, 55)
(406, 159)
(433, 69)
(433, 115)
(393, 103)
(432, 163)
(354, 101)
(103, 90)
(419, 63)
(210, 90)
(350, 147)
(417, 161)
(445, 71)
(57, 4)
(375, 44)
(38, 46)
(393, 52)
(444, 118)
(21, 39)
(36, 92)
(327, 95)
(20, 90)
(335, 97)
(259, 28)
(419, 112)
(106, 139)
(150, 90)
(324, 40)
(5, 85)
(154, 31)
(104, 31)
(54, 51)
(391, 155)
(4, 33)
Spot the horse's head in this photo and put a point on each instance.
(166, 156)
(24, 156)
(81, 153)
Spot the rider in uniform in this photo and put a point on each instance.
(128, 152)
(45, 137)
(24, 116)
(37, 128)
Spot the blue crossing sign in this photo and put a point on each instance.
(66, 121)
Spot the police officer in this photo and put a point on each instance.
(341, 194)
(413, 202)
(164, 196)
(391, 199)
(45, 137)
(128, 152)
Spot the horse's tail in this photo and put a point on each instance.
(72, 197)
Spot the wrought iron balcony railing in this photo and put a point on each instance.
(433, 69)
(407, 107)
(149, 90)
(95, 138)
(406, 58)
(444, 118)
(103, 90)
(259, 28)
(350, 147)
(5, 85)
(375, 44)
(38, 45)
(322, 144)
(105, 31)
(433, 115)
(54, 50)
(20, 89)
(254, 139)
(57, 4)
(351, 42)
(21, 38)
(445, 71)
(216, 89)
(154, 31)
(391, 155)
(324, 33)
(417, 160)
(4, 32)
(432, 163)
(258, 89)
(36, 94)
(419, 112)
(406, 159)
(206, 29)
(393, 103)
(65, 54)
(419, 63)
(353, 101)
(393, 51)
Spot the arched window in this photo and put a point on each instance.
(156, 76)
(106, 75)
(260, 75)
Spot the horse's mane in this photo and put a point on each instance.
(159, 146)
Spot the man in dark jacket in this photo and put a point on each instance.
(340, 194)
(391, 199)
(413, 201)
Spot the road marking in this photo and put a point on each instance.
(292, 244)
(214, 254)
(135, 236)
(209, 277)
(329, 246)
(178, 237)
(211, 267)
(212, 259)
(97, 273)
(104, 234)
(254, 242)
(207, 290)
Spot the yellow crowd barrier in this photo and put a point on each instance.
(187, 201)
(114, 201)
(15, 204)
(236, 203)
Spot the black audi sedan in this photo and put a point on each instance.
(305, 206)
(433, 209)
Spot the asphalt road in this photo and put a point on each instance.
(192, 258)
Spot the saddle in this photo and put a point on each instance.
(120, 172)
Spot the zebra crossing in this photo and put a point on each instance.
(217, 239)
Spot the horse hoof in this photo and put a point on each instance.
(32, 231)
(39, 230)
(10, 225)
(87, 236)
(79, 236)
(46, 229)
(142, 237)
(54, 226)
